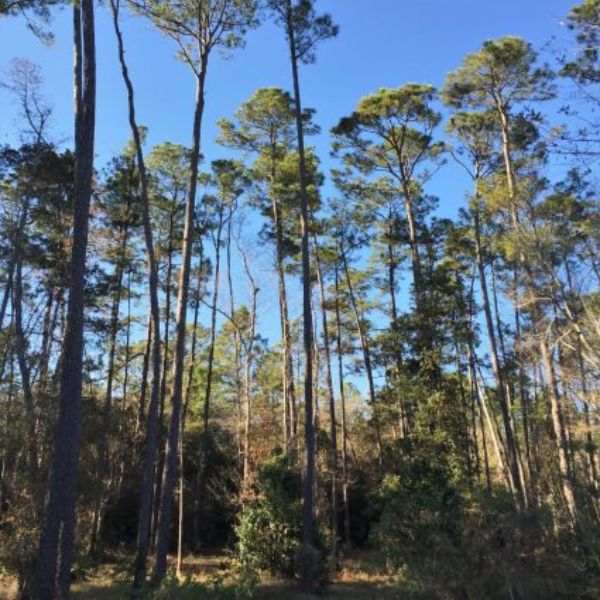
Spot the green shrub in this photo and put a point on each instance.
(269, 529)
(444, 540)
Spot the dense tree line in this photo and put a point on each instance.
(433, 393)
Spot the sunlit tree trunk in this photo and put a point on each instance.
(566, 474)
(515, 473)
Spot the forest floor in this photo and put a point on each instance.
(359, 578)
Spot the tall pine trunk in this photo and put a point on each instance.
(515, 473)
(557, 417)
(331, 401)
(308, 484)
(55, 553)
(340, 357)
(168, 484)
(143, 531)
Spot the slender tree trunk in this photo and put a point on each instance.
(592, 469)
(332, 419)
(53, 565)
(102, 446)
(205, 446)
(10, 270)
(468, 441)
(366, 351)
(308, 486)
(236, 343)
(338, 325)
(414, 244)
(127, 341)
(164, 522)
(523, 393)
(566, 474)
(289, 395)
(186, 402)
(47, 330)
(144, 378)
(21, 351)
(392, 266)
(516, 479)
(247, 374)
(145, 511)
(496, 442)
(160, 463)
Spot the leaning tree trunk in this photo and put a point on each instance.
(366, 351)
(143, 533)
(53, 564)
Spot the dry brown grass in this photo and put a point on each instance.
(359, 578)
(8, 588)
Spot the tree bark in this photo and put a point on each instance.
(308, 485)
(516, 479)
(346, 505)
(53, 564)
(164, 522)
(566, 474)
(145, 511)
(332, 419)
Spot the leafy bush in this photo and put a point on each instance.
(269, 529)
(419, 529)
(445, 541)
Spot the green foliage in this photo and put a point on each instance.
(391, 131)
(502, 73)
(584, 19)
(200, 26)
(300, 19)
(420, 515)
(446, 541)
(269, 529)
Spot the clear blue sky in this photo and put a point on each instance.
(381, 43)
